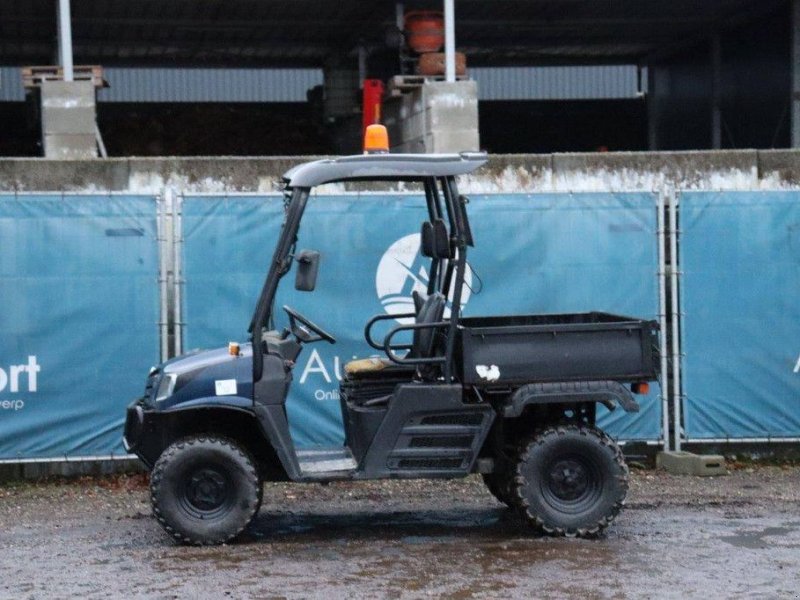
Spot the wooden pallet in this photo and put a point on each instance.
(33, 77)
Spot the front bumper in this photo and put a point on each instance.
(134, 425)
(134, 437)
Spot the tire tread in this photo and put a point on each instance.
(157, 475)
(524, 452)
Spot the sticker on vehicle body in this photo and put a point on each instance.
(225, 387)
(490, 373)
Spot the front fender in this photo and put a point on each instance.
(608, 393)
(149, 432)
(233, 402)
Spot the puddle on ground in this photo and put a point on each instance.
(754, 540)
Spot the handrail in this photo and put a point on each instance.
(375, 319)
(433, 360)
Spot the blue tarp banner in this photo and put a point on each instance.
(78, 320)
(534, 254)
(740, 258)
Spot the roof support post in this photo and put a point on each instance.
(449, 40)
(65, 39)
(362, 64)
(716, 92)
(653, 111)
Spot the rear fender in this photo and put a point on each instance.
(608, 393)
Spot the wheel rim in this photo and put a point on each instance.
(207, 492)
(571, 483)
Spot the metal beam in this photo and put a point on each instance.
(65, 39)
(449, 40)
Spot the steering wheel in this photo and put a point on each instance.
(301, 331)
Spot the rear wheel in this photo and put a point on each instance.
(570, 480)
(204, 490)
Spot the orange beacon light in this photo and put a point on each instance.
(376, 140)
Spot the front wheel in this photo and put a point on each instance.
(570, 480)
(204, 490)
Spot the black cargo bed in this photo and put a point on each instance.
(562, 347)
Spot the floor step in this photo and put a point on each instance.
(326, 460)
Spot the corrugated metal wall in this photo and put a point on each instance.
(189, 85)
(291, 85)
(558, 83)
(11, 85)
(209, 85)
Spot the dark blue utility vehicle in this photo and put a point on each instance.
(510, 397)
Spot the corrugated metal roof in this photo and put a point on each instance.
(557, 83)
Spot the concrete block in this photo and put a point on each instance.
(687, 463)
(436, 117)
(463, 140)
(457, 91)
(440, 116)
(68, 121)
(414, 146)
(67, 94)
(70, 146)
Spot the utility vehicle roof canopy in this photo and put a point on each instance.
(383, 166)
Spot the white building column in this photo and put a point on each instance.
(449, 41)
(65, 39)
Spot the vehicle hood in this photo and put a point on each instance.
(210, 376)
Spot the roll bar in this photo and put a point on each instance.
(388, 348)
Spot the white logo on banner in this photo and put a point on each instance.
(797, 366)
(11, 380)
(402, 270)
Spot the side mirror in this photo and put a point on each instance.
(307, 269)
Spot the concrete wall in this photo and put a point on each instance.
(623, 171)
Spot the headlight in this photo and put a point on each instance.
(166, 386)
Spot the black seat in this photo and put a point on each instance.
(431, 311)
(424, 344)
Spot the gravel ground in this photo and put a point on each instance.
(679, 537)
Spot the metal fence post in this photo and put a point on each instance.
(662, 317)
(677, 396)
(178, 281)
(163, 270)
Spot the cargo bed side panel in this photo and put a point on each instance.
(518, 353)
